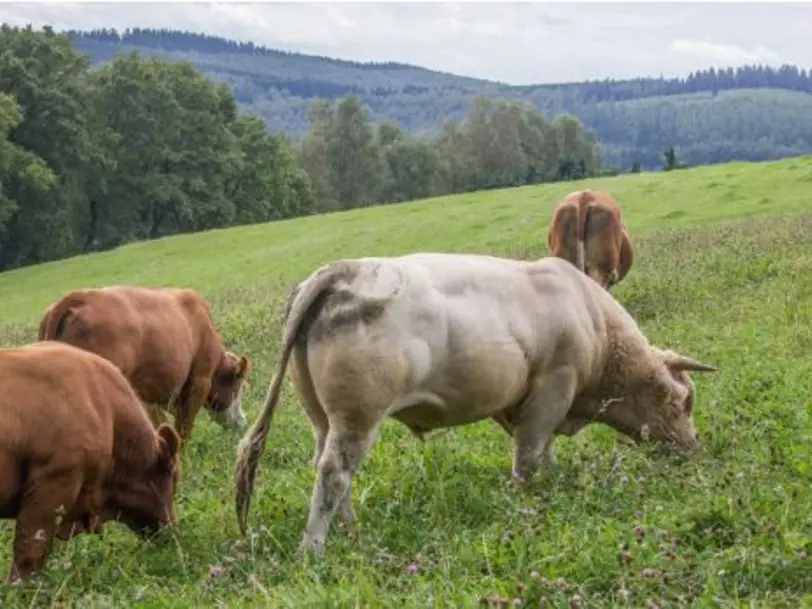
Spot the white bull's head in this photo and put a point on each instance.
(662, 400)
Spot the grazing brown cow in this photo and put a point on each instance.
(588, 230)
(76, 442)
(165, 343)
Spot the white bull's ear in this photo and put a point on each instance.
(678, 362)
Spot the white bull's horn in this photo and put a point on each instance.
(682, 362)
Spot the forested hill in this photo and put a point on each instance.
(751, 113)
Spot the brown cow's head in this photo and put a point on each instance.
(84, 525)
(659, 401)
(606, 279)
(145, 501)
(225, 398)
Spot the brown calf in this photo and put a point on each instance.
(76, 442)
(165, 343)
(587, 230)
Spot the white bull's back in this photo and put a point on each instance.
(467, 328)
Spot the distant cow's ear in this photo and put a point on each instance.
(169, 444)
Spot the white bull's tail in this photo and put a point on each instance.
(252, 444)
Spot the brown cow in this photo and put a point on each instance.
(588, 230)
(76, 442)
(165, 343)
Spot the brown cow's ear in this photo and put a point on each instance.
(169, 444)
(243, 367)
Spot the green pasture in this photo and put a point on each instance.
(723, 273)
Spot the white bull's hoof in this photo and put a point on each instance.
(313, 546)
(517, 479)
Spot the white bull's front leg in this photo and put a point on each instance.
(544, 409)
(549, 450)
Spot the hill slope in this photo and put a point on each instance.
(280, 87)
(508, 221)
(722, 273)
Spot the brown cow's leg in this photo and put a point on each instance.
(626, 256)
(84, 525)
(157, 414)
(87, 508)
(191, 401)
(46, 496)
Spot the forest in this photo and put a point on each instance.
(712, 115)
(141, 148)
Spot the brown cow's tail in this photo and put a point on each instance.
(581, 216)
(56, 318)
(299, 308)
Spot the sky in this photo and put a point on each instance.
(516, 43)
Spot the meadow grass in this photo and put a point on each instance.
(723, 273)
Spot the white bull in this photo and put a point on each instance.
(441, 340)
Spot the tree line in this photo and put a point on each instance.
(137, 149)
(181, 40)
(141, 148)
(752, 112)
(355, 163)
(746, 125)
(788, 77)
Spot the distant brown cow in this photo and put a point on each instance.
(165, 343)
(588, 230)
(75, 441)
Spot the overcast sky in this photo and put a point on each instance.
(518, 43)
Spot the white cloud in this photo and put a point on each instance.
(727, 54)
(519, 43)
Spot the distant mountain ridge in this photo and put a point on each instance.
(750, 113)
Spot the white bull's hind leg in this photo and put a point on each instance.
(346, 512)
(320, 423)
(344, 451)
(549, 452)
(537, 419)
(321, 429)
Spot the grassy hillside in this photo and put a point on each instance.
(723, 273)
(280, 87)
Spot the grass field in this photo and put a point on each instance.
(723, 273)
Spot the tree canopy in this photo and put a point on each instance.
(98, 153)
(142, 148)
